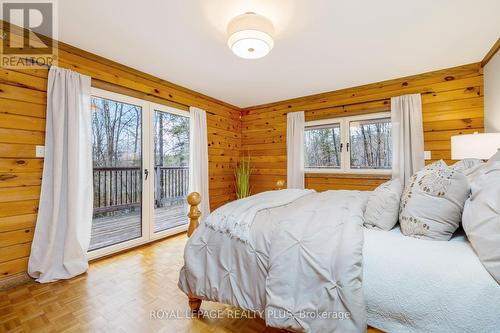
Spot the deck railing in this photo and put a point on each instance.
(117, 188)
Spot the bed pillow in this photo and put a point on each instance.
(382, 209)
(433, 201)
(481, 218)
(468, 166)
(495, 158)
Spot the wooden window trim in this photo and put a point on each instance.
(348, 175)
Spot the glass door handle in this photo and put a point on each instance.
(146, 173)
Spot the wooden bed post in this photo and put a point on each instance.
(193, 199)
(194, 214)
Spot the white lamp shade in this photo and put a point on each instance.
(250, 36)
(478, 145)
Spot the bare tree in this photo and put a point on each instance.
(370, 145)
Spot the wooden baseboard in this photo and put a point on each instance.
(15, 280)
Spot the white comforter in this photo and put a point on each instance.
(236, 218)
(301, 268)
(414, 285)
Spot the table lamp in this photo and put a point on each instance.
(478, 145)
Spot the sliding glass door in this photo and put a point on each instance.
(118, 160)
(171, 169)
(140, 174)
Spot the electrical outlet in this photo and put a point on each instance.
(427, 155)
(40, 151)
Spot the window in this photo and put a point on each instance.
(370, 144)
(323, 146)
(350, 144)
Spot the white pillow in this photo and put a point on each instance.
(468, 166)
(382, 209)
(495, 158)
(481, 218)
(433, 201)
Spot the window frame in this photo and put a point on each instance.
(345, 156)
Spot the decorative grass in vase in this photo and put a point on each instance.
(242, 178)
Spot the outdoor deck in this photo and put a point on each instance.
(116, 229)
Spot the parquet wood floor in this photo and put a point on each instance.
(117, 295)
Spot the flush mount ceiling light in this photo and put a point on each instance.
(250, 36)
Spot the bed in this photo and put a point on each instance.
(383, 279)
(414, 285)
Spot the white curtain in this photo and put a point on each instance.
(295, 149)
(198, 157)
(407, 136)
(62, 232)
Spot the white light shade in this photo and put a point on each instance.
(478, 145)
(250, 36)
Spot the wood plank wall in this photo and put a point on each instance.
(22, 127)
(452, 104)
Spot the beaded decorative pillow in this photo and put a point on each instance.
(433, 201)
